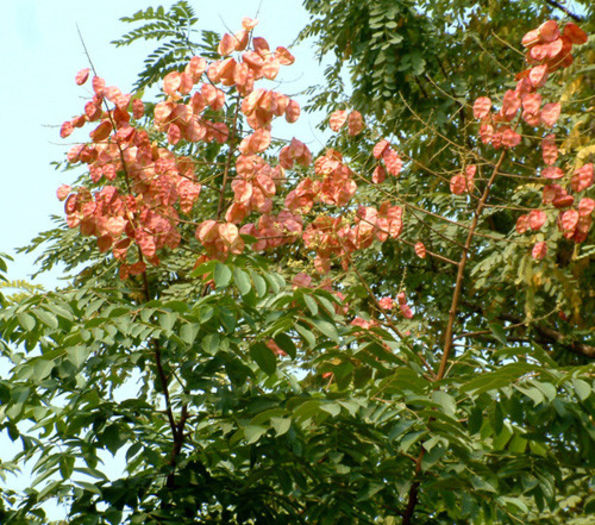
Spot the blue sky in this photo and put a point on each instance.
(42, 55)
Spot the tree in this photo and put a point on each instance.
(394, 332)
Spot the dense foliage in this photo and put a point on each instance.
(398, 331)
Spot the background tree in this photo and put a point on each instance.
(264, 307)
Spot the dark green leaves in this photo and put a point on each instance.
(264, 357)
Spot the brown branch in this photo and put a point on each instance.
(413, 492)
(550, 335)
(575, 347)
(165, 390)
(559, 6)
(547, 334)
(462, 263)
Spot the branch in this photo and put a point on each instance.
(548, 334)
(462, 263)
(413, 492)
(559, 6)
(177, 429)
(165, 390)
(553, 336)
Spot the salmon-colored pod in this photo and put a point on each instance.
(236, 213)
(284, 57)
(292, 113)
(66, 129)
(536, 219)
(420, 250)
(270, 69)
(227, 45)
(82, 76)
(378, 175)
(549, 149)
(101, 132)
(355, 123)
(92, 111)
(249, 23)
(98, 85)
(194, 131)
(481, 107)
(242, 38)
(261, 46)
(226, 71)
(550, 113)
(582, 178)
(250, 102)
(575, 34)
(538, 75)
(171, 82)
(539, 250)
(337, 119)
(196, 67)
(138, 108)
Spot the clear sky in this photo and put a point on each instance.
(41, 55)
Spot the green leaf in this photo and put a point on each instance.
(286, 343)
(432, 457)
(446, 401)
(582, 389)
(326, 329)
(242, 280)
(227, 318)
(260, 284)
(113, 438)
(518, 444)
(264, 357)
(311, 304)
(210, 343)
(501, 440)
(538, 448)
(66, 466)
(77, 355)
(516, 502)
(133, 450)
(47, 318)
(254, 432)
(333, 409)
(482, 484)
(547, 389)
(42, 368)
(532, 392)
(499, 378)
(308, 336)
(26, 321)
(281, 425)
(205, 313)
(368, 491)
(188, 332)
(498, 332)
(167, 320)
(410, 439)
(90, 487)
(221, 275)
